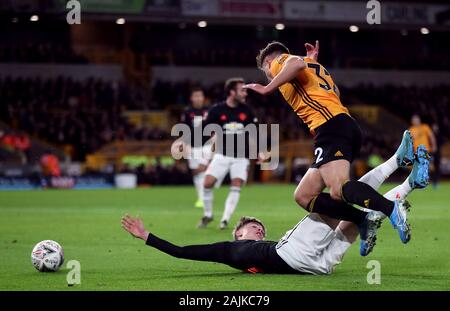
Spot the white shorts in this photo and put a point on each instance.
(199, 156)
(221, 165)
(312, 246)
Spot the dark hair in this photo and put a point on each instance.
(272, 47)
(231, 83)
(246, 220)
(195, 89)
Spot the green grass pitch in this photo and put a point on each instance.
(87, 225)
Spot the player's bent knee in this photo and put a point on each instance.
(302, 199)
(209, 182)
(336, 191)
(237, 182)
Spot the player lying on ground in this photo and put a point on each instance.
(314, 246)
(311, 92)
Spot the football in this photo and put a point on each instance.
(47, 256)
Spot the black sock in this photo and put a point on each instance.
(359, 193)
(324, 204)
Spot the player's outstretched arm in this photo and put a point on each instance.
(217, 252)
(291, 68)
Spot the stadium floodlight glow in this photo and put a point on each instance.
(424, 30)
(120, 21)
(202, 24)
(354, 28)
(34, 18)
(279, 26)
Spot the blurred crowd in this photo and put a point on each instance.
(48, 52)
(157, 170)
(14, 145)
(229, 45)
(431, 103)
(236, 57)
(238, 45)
(89, 114)
(62, 111)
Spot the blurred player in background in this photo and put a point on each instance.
(424, 135)
(311, 92)
(200, 155)
(232, 116)
(437, 154)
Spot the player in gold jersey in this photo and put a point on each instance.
(311, 92)
(422, 134)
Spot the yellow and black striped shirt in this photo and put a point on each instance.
(312, 94)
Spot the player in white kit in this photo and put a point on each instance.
(316, 245)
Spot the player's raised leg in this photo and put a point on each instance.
(309, 195)
(310, 189)
(356, 192)
(333, 174)
(404, 156)
(417, 179)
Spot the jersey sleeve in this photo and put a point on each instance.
(237, 254)
(184, 117)
(217, 252)
(277, 64)
(211, 116)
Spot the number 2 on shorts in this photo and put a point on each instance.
(318, 153)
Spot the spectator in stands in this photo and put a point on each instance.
(50, 165)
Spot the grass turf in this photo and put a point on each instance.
(87, 225)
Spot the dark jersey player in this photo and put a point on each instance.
(200, 154)
(232, 144)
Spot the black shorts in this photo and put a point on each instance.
(337, 139)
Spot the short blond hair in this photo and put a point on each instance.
(246, 220)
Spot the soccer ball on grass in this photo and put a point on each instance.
(47, 256)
